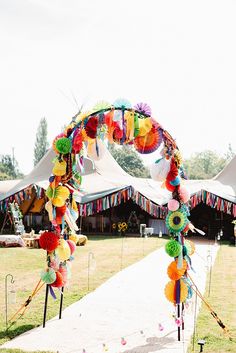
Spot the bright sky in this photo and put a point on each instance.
(177, 56)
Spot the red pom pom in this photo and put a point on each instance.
(49, 241)
(72, 246)
(173, 173)
(91, 127)
(59, 280)
(60, 211)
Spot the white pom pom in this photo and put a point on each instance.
(160, 169)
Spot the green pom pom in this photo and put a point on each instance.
(173, 248)
(48, 276)
(63, 145)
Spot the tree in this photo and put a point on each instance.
(41, 143)
(230, 153)
(129, 160)
(9, 168)
(204, 165)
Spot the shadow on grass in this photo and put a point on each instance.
(13, 332)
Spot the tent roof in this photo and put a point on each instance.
(106, 177)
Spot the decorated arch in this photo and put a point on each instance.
(86, 135)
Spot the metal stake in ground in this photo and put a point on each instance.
(6, 296)
(90, 257)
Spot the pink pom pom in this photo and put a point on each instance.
(184, 194)
(173, 205)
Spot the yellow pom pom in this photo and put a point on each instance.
(59, 168)
(58, 201)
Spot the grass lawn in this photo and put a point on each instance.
(26, 265)
(223, 300)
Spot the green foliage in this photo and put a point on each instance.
(41, 143)
(204, 165)
(129, 160)
(9, 168)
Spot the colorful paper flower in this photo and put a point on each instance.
(170, 291)
(143, 108)
(122, 103)
(150, 142)
(176, 221)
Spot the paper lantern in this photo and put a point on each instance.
(173, 248)
(59, 168)
(63, 145)
(170, 291)
(48, 276)
(184, 194)
(96, 150)
(160, 169)
(63, 192)
(63, 250)
(176, 221)
(72, 246)
(173, 205)
(174, 272)
(59, 280)
(58, 202)
(48, 241)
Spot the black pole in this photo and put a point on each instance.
(61, 302)
(178, 316)
(182, 317)
(45, 305)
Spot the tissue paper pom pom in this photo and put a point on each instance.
(160, 169)
(72, 246)
(96, 150)
(59, 168)
(184, 194)
(55, 140)
(63, 250)
(190, 247)
(174, 272)
(59, 280)
(173, 205)
(63, 145)
(48, 241)
(170, 291)
(173, 248)
(48, 276)
(58, 202)
(176, 221)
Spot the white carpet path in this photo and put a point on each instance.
(131, 305)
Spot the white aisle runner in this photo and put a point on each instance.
(131, 304)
